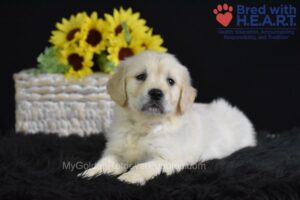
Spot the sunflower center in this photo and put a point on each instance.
(94, 37)
(76, 61)
(124, 53)
(118, 29)
(71, 34)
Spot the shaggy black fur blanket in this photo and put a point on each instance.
(32, 167)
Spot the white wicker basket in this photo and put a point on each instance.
(49, 103)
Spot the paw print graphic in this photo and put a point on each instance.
(223, 14)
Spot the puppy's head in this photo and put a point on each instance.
(152, 83)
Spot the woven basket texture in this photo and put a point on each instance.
(50, 103)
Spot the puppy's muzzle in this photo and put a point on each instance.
(154, 105)
(156, 94)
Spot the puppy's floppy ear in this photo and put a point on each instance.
(116, 86)
(187, 96)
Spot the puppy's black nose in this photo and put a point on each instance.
(155, 94)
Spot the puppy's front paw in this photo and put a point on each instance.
(132, 177)
(92, 172)
(103, 168)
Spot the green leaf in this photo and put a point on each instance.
(104, 64)
(48, 62)
(126, 32)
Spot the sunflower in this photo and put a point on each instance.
(119, 49)
(69, 31)
(95, 34)
(153, 42)
(116, 22)
(79, 60)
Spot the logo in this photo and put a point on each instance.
(258, 22)
(223, 14)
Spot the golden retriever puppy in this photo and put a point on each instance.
(156, 126)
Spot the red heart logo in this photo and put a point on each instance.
(224, 19)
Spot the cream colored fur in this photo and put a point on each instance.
(142, 144)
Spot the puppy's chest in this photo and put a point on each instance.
(136, 144)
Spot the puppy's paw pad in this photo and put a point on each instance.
(134, 178)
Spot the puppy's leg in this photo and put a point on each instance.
(142, 172)
(108, 164)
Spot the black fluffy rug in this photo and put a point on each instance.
(32, 167)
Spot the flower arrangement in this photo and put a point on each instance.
(82, 42)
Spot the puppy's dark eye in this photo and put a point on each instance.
(171, 81)
(141, 77)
